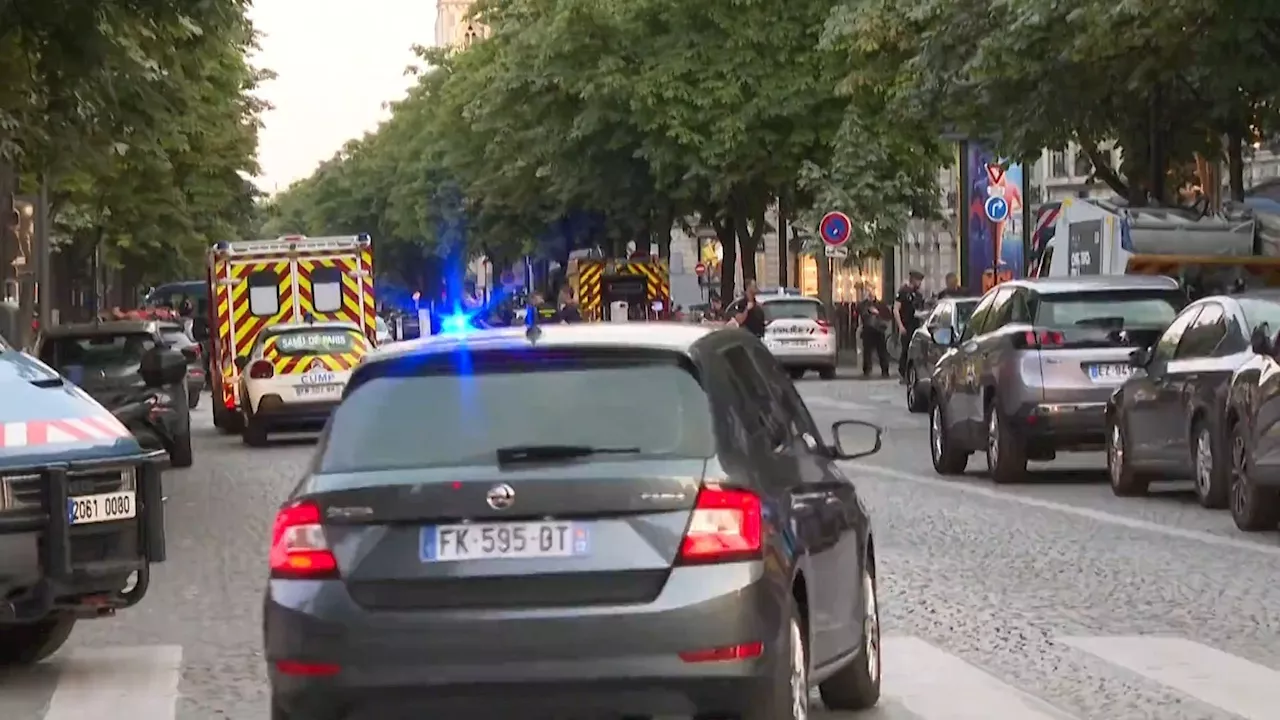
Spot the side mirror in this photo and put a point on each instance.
(241, 362)
(943, 336)
(162, 366)
(1261, 341)
(855, 439)
(1140, 358)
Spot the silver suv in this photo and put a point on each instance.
(1032, 372)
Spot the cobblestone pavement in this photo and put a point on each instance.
(1050, 599)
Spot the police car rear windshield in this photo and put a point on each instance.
(793, 310)
(1115, 309)
(96, 352)
(315, 342)
(463, 411)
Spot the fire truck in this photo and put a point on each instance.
(638, 288)
(254, 284)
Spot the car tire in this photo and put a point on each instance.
(787, 696)
(180, 455)
(28, 644)
(947, 459)
(796, 373)
(856, 686)
(916, 403)
(227, 421)
(254, 433)
(1124, 479)
(1252, 508)
(193, 399)
(1006, 451)
(827, 373)
(1212, 469)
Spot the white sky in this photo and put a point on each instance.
(337, 62)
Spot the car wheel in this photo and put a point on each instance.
(796, 373)
(227, 421)
(1253, 508)
(915, 403)
(947, 460)
(827, 373)
(857, 685)
(193, 398)
(1125, 481)
(29, 643)
(1006, 452)
(180, 455)
(788, 693)
(1212, 472)
(255, 431)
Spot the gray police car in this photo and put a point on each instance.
(81, 512)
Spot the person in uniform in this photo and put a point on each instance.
(567, 307)
(905, 306)
(952, 289)
(715, 310)
(873, 318)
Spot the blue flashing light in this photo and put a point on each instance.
(457, 324)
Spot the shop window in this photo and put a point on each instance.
(326, 289)
(264, 293)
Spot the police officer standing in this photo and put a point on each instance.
(905, 306)
(952, 289)
(873, 317)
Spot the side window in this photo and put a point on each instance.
(753, 387)
(1203, 336)
(264, 295)
(979, 317)
(326, 289)
(942, 316)
(1019, 308)
(788, 402)
(1167, 345)
(999, 315)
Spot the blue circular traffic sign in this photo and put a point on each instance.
(997, 209)
(834, 228)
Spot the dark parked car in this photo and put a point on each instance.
(177, 337)
(105, 359)
(923, 352)
(1170, 418)
(1253, 429)
(1031, 374)
(608, 520)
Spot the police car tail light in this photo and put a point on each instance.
(824, 327)
(725, 526)
(299, 549)
(261, 370)
(1037, 339)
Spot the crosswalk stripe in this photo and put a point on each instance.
(121, 683)
(1213, 677)
(936, 685)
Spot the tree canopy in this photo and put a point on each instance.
(139, 117)
(598, 122)
(1165, 80)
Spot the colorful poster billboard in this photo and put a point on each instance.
(994, 248)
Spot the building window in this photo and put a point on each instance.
(1057, 164)
(1083, 165)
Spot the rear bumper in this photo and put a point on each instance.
(47, 564)
(276, 413)
(598, 660)
(1063, 425)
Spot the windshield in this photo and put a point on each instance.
(1112, 309)
(1260, 312)
(451, 420)
(381, 325)
(313, 342)
(109, 354)
(793, 310)
(176, 337)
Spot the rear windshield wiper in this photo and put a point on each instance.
(517, 454)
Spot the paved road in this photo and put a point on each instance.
(1046, 600)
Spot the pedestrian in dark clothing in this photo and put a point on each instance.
(751, 318)
(567, 309)
(873, 317)
(952, 289)
(908, 302)
(715, 310)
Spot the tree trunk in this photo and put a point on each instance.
(1235, 164)
(729, 261)
(783, 244)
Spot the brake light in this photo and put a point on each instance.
(724, 527)
(824, 327)
(261, 370)
(1041, 339)
(299, 549)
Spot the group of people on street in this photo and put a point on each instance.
(876, 319)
